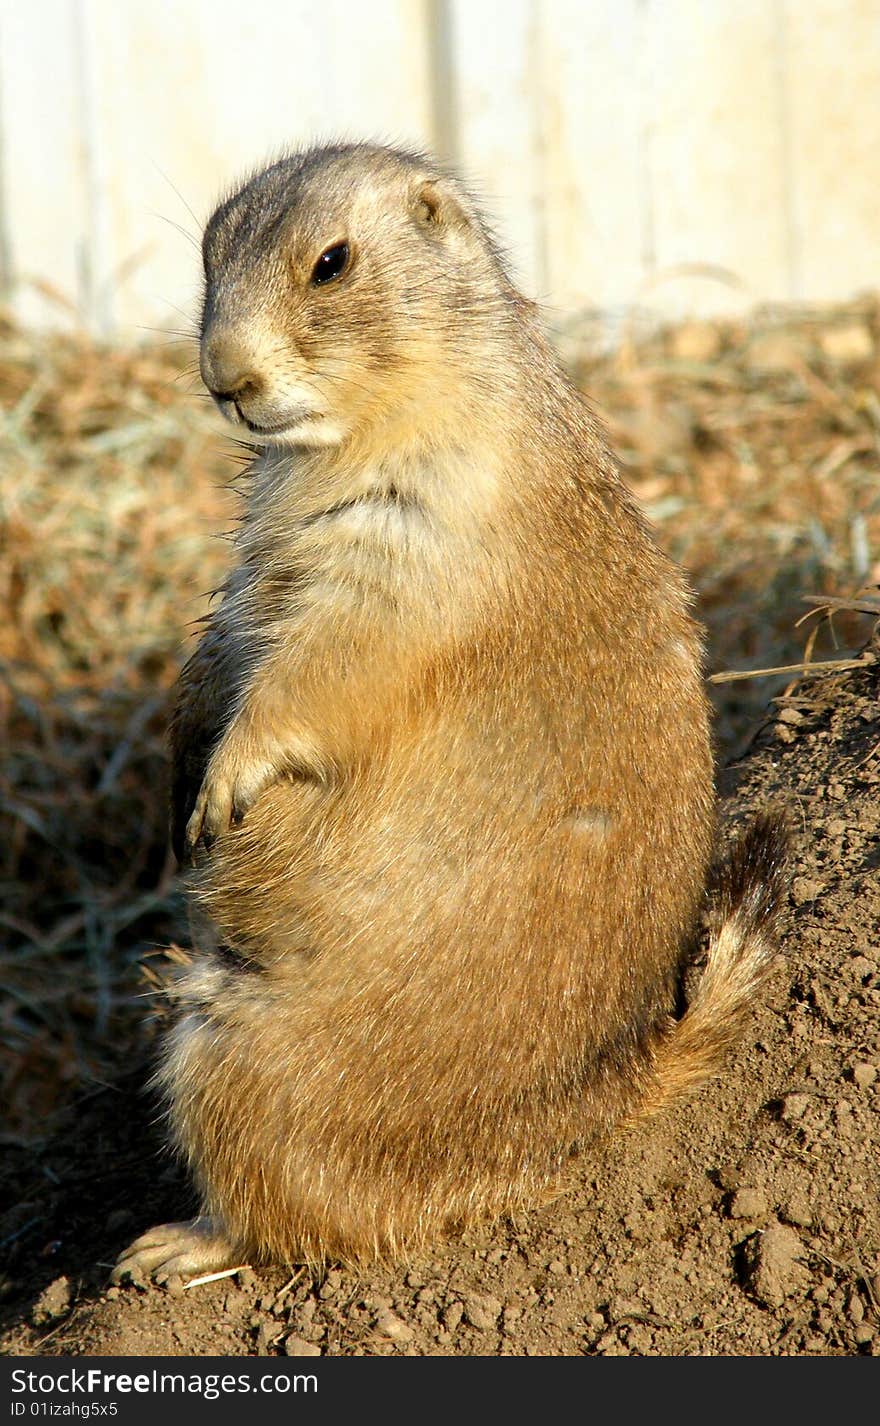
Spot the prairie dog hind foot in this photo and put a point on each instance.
(177, 1250)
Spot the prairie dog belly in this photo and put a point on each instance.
(458, 862)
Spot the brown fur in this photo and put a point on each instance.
(445, 739)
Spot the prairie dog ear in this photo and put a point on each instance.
(436, 205)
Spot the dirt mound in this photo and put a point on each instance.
(746, 1221)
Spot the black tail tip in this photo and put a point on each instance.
(755, 877)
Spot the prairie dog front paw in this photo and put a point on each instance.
(231, 787)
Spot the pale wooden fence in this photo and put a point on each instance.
(700, 153)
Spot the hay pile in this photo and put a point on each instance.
(753, 447)
(109, 468)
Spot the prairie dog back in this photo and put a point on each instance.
(441, 757)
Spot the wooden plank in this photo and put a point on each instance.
(833, 82)
(380, 72)
(716, 149)
(593, 198)
(497, 87)
(611, 142)
(46, 217)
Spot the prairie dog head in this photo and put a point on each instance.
(344, 287)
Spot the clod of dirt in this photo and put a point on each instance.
(390, 1325)
(773, 1271)
(796, 1209)
(482, 1312)
(330, 1286)
(794, 1106)
(52, 1302)
(298, 1347)
(805, 888)
(265, 1339)
(864, 1075)
(748, 1203)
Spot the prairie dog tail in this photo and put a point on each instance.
(742, 948)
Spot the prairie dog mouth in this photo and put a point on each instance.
(276, 430)
(303, 426)
(297, 417)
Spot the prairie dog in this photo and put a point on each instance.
(442, 756)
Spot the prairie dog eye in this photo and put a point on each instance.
(331, 264)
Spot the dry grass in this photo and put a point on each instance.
(754, 449)
(109, 468)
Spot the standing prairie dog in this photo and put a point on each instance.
(442, 755)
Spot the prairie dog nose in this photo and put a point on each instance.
(229, 366)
